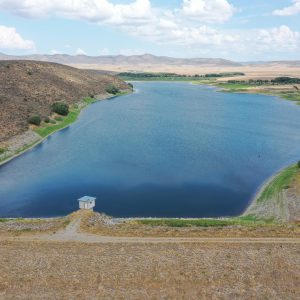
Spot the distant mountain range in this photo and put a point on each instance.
(119, 63)
(146, 59)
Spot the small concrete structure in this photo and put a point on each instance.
(87, 202)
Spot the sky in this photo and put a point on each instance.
(238, 30)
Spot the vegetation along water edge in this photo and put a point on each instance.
(40, 130)
(232, 82)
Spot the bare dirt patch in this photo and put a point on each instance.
(12, 227)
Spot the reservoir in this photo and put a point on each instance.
(168, 150)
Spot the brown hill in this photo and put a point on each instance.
(30, 87)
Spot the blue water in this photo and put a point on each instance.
(169, 150)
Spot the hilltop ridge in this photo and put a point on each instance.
(142, 59)
(122, 59)
(115, 64)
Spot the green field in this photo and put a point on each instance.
(3, 220)
(235, 86)
(292, 96)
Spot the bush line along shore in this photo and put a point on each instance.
(57, 122)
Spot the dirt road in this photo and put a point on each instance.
(70, 264)
(72, 233)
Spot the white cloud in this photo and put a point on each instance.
(139, 11)
(79, 51)
(293, 9)
(278, 39)
(138, 17)
(96, 11)
(211, 11)
(11, 39)
(103, 11)
(178, 34)
(189, 26)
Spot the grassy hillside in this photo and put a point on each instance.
(29, 88)
(279, 198)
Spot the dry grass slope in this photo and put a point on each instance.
(54, 270)
(30, 87)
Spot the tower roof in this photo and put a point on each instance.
(86, 198)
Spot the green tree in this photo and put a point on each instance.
(60, 108)
(2, 150)
(35, 120)
(111, 89)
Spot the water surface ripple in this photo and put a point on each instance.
(169, 150)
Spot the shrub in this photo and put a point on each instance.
(286, 80)
(111, 89)
(130, 85)
(47, 120)
(52, 121)
(60, 108)
(298, 164)
(35, 120)
(2, 150)
(29, 73)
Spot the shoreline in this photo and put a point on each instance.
(219, 88)
(246, 212)
(43, 138)
(254, 201)
(279, 94)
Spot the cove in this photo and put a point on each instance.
(168, 150)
